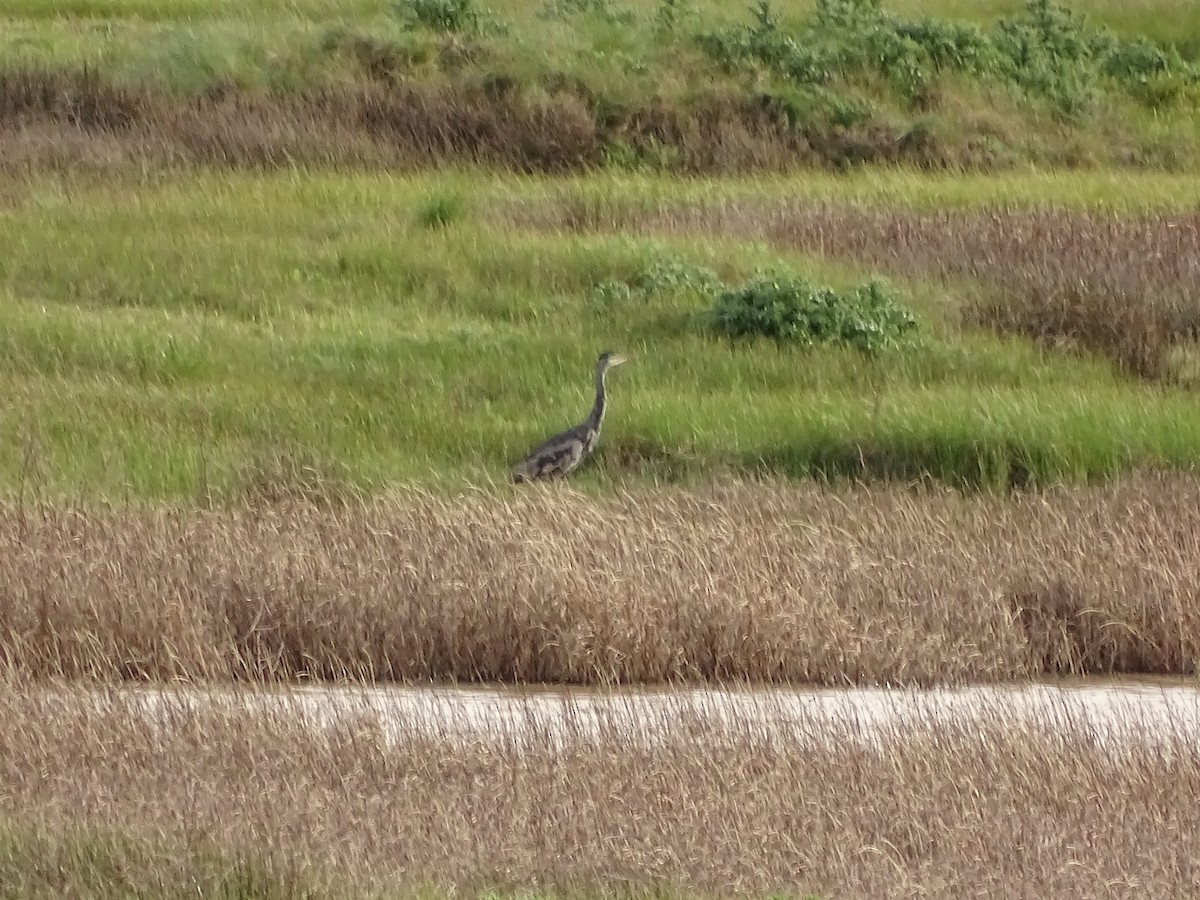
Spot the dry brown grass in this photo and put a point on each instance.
(1002, 810)
(1123, 286)
(81, 121)
(765, 582)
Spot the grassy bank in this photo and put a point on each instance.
(767, 583)
(200, 337)
(715, 807)
(572, 84)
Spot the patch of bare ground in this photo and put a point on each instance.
(1126, 287)
(72, 121)
(756, 581)
(711, 805)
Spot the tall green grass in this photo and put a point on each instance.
(189, 338)
(617, 195)
(39, 862)
(99, 863)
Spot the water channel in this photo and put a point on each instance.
(1140, 709)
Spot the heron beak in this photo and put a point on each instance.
(617, 359)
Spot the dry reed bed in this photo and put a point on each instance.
(764, 582)
(1127, 286)
(71, 121)
(718, 807)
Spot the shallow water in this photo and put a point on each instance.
(1139, 709)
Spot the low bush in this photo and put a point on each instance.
(605, 10)
(793, 310)
(457, 16)
(782, 306)
(668, 275)
(1049, 53)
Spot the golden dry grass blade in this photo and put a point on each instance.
(766, 582)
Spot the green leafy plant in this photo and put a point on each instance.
(777, 305)
(671, 16)
(458, 16)
(669, 275)
(790, 309)
(644, 154)
(604, 10)
(1047, 52)
(677, 275)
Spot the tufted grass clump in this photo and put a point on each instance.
(439, 210)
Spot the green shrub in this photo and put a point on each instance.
(676, 275)
(441, 15)
(790, 309)
(643, 154)
(1048, 52)
(776, 305)
(798, 109)
(768, 46)
(1155, 77)
(671, 275)
(1138, 59)
(672, 15)
(604, 10)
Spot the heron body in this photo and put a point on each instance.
(558, 455)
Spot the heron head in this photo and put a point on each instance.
(608, 359)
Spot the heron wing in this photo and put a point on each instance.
(556, 455)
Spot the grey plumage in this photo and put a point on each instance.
(558, 455)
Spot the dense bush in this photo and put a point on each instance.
(665, 276)
(441, 15)
(793, 310)
(605, 10)
(781, 306)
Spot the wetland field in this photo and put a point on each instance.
(910, 296)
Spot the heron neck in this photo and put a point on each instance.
(597, 414)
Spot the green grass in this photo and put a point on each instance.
(38, 862)
(264, 39)
(614, 56)
(188, 337)
(1163, 20)
(618, 193)
(107, 864)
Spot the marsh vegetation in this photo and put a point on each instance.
(910, 294)
(709, 807)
